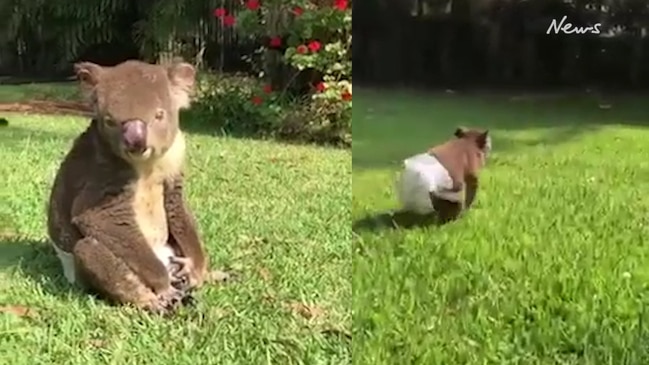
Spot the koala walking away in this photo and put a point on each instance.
(444, 180)
(117, 215)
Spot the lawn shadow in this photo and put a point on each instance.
(373, 155)
(198, 127)
(392, 220)
(391, 126)
(37, 260)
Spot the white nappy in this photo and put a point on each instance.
(423, 174)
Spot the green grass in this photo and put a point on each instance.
(63, 91)
(552, 264)
(277, 214)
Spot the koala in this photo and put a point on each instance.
(117, 215)
(445, 178)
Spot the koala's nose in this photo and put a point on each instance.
(134, 134)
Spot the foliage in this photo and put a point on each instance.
(243, 105)
(465, 44)
(311, 38)
(227, 103)
(67, 28)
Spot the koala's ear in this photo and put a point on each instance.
(88, 74)
(483, 139)
(183, 77)
(460, 132)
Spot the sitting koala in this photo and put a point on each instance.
(117, 215)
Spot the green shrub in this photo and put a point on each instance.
(241, 105)
(225, 103)
(320, 121)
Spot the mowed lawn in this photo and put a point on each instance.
(39, 91)
(278, 215)
(552, 264)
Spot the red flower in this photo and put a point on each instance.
(346, 95)
(314, 46)
(252, 4)
(268, 89)
(302, 49)
(275, 41)
(229, 20)
(298, 11)
(257, 100)
(340, 4)
(320, 87)
(220, 12)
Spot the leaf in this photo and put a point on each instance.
(18, 310)
(265, 274)
(98, 343)
(306, 311)
(219, 313)
(337, 66)
(269, 296)
(219, 277)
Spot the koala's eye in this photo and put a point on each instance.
(159, 114)
(110, 122)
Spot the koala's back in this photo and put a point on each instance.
(457, 155)
(85, 176)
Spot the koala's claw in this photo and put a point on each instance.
(169, 301)
(180, 283)
(180, 266)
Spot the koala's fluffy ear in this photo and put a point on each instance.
(460, 132)
(183, 77)
(88, 74)
(483, 139)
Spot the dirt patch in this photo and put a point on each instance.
(46, 107)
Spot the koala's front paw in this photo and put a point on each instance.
(169, 301)
(180, 282)
(180, 274)
(181, 268)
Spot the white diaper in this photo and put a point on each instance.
(164, 253)
(424, 174)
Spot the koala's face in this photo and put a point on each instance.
(481, 138)
(137, 104)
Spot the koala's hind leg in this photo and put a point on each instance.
(446, 210)
(102, 269)
(471, 190)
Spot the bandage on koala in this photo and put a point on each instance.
(422, 176)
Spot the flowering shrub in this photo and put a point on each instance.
(310, 36)
(231, 104)
(234, 105)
